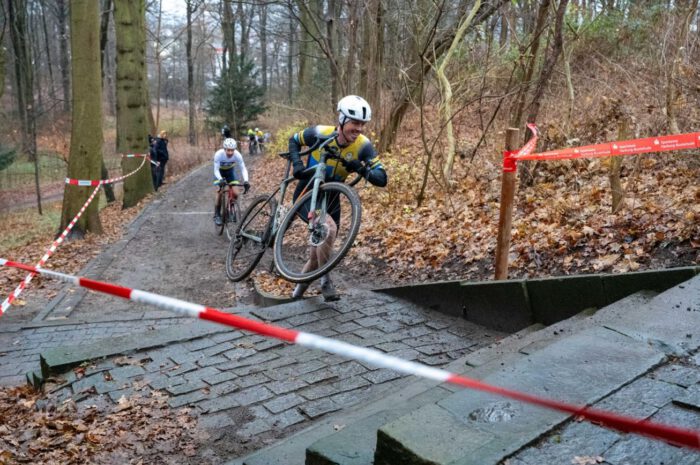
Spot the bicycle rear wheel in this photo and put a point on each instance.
(251, 238)
(295, 239)
(234, 216)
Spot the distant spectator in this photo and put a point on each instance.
(163, 156)
(154, 157)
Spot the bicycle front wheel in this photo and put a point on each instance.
(250, 238)
(337, 207)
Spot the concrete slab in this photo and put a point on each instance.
(671, 321)
(579, 369)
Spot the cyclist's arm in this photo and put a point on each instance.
(376, 174)
(239, 160)
(217, 165)
(308, 137)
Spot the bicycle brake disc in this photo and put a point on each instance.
(318, 235)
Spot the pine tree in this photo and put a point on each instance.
(236, 99)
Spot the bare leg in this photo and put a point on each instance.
(317, 256)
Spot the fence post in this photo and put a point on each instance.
(505, 219)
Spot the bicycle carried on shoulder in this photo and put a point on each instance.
(268, 222)
(229, 209)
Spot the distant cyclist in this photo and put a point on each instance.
(357, 155)
(260, 139)
(226, 132)
(225, 161)
(252, 141)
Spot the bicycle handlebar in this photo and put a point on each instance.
(322, 142)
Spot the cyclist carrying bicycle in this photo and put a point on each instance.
(225, 161)
(356, 155)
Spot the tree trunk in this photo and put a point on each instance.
(3, 59)
(617, 192)
(351, 59)
(17, 18)
(159, 67)
(527, 168)
(132, 108)
(62, 17)
(191, 113)
(263, 45)
(305, 45)
(85, 160)
(49, 59)
(245, 27)
(290, 62)
(2, 67)
(229, 36)
(681, 19)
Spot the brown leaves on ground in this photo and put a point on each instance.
(38, 429)
(72, 255)
(274, 285)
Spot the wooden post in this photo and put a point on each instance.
(505, 219)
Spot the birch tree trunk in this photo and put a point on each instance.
(85, 160)
(446, 89)
(132, 107)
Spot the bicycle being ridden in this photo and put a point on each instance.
(308, 249)
(226, 210)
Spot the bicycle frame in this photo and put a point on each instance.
(318, 178)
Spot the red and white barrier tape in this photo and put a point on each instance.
(18, 290)
(88, 182)
(612, 149)
(678, 436)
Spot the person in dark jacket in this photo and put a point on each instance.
(154, 157)
(163, 156)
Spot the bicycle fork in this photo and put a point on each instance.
(316, 216)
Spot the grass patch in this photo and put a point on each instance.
(26, 226)
(21, 172)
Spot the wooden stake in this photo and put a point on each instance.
(505, 219)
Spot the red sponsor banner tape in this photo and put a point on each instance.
(672, 434)
(611, 149)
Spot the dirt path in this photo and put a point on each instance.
(171, 249)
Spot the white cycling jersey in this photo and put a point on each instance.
(223, 162)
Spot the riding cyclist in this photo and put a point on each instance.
(251, 141)
(226, 132)
(356, 155)
(225, 160)
(259, 135)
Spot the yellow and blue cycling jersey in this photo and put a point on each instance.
(361, 149)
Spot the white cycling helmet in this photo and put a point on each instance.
(230, 144)
(353, 107)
